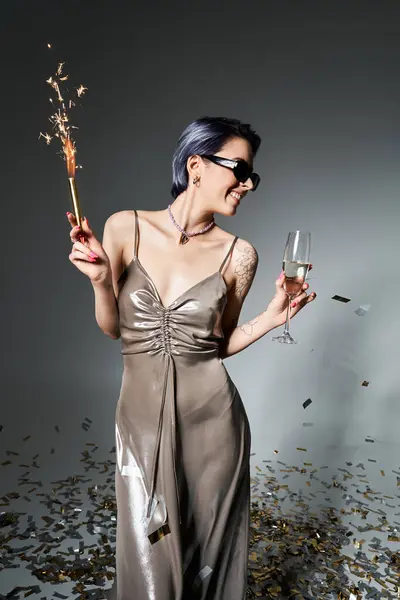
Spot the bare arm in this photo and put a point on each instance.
(106, 308)
(237, 338)
(243, 336)
(106, 290)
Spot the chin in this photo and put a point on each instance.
(232, 205)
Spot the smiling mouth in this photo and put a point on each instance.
(235, 196)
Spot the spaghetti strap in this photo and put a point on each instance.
(228, 253)
(136, 234)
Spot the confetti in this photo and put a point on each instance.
(338, 553)
(362, 310)
(298, 554)
(341, 299)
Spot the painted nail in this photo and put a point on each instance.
(93, 255)
(293, 304)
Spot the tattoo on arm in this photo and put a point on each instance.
(245, 267)
(247, 328)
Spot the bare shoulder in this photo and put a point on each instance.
(118, 230)
(119, 227)
(120, 221)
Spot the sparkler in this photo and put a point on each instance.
(62, 129)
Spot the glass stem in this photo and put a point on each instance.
(286, 330)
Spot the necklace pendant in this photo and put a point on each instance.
(184, 239)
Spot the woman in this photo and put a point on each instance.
(171, 284)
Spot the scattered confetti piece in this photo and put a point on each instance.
(341, 299)
(362, 310)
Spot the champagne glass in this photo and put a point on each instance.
(296, 262)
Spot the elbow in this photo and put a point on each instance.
(113, 336)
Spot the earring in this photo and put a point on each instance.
(196, 180)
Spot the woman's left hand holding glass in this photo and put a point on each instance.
(277, 308)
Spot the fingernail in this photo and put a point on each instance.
(77, 227)
(281, 275)
(293, 304)
(93, 255)
(68, 213)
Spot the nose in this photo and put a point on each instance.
(248, 184)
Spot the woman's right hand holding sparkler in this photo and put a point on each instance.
(87, 253)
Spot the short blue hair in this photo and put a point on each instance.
(206, 135)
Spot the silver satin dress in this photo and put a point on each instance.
(182, 475)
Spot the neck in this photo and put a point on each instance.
(189, 213)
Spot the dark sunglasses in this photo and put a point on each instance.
(241, 170)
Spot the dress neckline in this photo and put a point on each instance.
(191, 288)
(136, 260)
(181, 296)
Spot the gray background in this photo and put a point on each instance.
(320, 83)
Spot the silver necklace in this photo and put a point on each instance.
(186, 234)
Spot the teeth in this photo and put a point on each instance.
(235, 195)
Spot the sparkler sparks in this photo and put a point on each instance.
(60, 119)
(59, 69)
(46, 136)
(62, 129)
(81, 90)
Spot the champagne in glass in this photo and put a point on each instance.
(296, 262)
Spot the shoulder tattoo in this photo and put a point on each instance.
(246, 264)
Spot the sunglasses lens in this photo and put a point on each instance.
(242, 171)
(255, 178)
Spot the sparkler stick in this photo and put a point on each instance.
(70, 158)
(63, 131)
